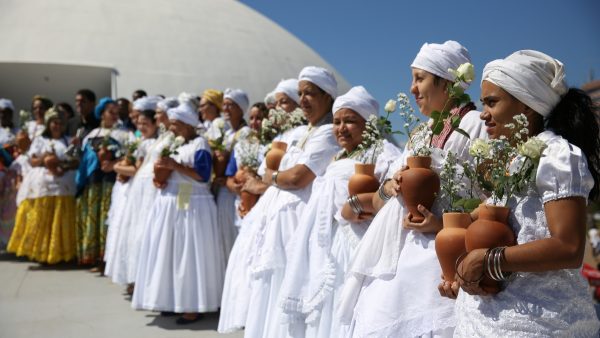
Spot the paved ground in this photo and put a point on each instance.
(65, 302)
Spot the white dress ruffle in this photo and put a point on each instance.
(543, 304)
(181, 262)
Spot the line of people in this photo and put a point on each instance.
(194, 211)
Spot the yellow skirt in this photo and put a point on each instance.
(45, 229)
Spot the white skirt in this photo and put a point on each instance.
(117, 206)
(181, 263)
(226, 211)
(236, 290)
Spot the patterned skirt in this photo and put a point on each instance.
(45, 229)
(92, 212)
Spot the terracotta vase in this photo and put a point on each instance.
(490, 230)
(450, 241)
(220, 159)
(161, 175)
(104, 154)
(51, 162)
(419, 185)
(22, 141)
(248, 200)
(363, 180)
(275, 155)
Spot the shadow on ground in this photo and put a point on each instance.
(208, 322)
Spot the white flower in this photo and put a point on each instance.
(466, 71)
(533, 148)
(179, 140)
(390, 106)
(219, 123)
(479, 148)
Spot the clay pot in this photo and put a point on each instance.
(490, 230)
(161, 175)
(220, 159)
(363, 180)
(275, 155)
(419, 185)
(22, 141)
(450, 241)
(104, 154)
(248, 200)
(51, 162)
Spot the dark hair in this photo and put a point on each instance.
(140, 93)
(575, 118)
(150, 114)
(122, 99)
(46, 102)
(65, 109)
(262, 108)
(88, 94)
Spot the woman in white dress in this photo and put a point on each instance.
(140, 194)
(390, 288)
(235, 105)
(302, 163)
(236, 291)
(181, 262)
(325, 241)
(546, 296)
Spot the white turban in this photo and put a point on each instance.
(146, 103)
(532, 77)
(238, 96)
(359, 100)
(184, 113)
(168, 103)
(289, 87)
(6, 103)
(437, 59)
(191, 100)
(321, 77)
(270, 98)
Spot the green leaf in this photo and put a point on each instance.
(471, 204)
(435, 115)
(462, 132)
(437, 128)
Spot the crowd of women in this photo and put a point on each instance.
(182, 201)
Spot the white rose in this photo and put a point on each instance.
(533, 148)
(390, 106)
(466, 71)
(179, 140)
(219, 123)
(479, 148)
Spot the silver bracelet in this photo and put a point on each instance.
(355, 205)
(381, 191)
(494, 261)
(274, 178)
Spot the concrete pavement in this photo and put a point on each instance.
(67, 302)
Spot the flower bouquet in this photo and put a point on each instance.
(161, 174)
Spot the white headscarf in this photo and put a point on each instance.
(289, 87)
(320, 77)
(270, 98)
(168, 103)
(184, 113)
(6, 103)
(438, 58)
(191, 100)
(532, 77)
(238, 96)
(359, 100)
(146, 103)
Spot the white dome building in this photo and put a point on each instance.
(165, 47)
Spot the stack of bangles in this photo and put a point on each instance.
(355, 205)
(492, 264)
(381, 191)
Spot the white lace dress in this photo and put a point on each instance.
(391, 288)
(236, 291)
(324, 246)
(544, 304)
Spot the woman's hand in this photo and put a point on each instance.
(431, 223)
(254, 186)
(107, 166)
(233, 185)
(448, 289)
(392, 187)
(470, 272)
(168, 163)
(350, 216)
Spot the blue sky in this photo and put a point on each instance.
(372, 43)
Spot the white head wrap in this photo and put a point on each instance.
(184, 113)
(168, 103)
(238, 96)
(532, 77)
(270, 98)
(438, 58)
(191, 100)
(146, 103)
(6, 103)
(320, 77)
(289, 87)
(359, 100)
